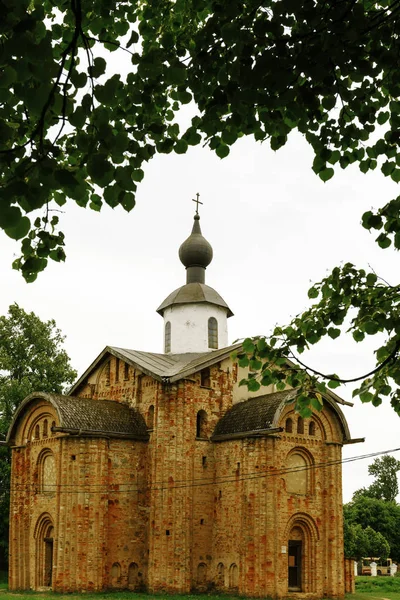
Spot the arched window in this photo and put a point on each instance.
(167, 337)
(150, 417)
(212, 333)
(233, 576)
(53, 424)
(117, 370)
(202, 573)
(201, 424)
(37, 433)
(133, 576)
(45, 428)
(311, 428)
(289, 426)
(300, 425)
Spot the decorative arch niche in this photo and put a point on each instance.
(47, 476)
(299, 472)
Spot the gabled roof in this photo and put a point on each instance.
(170, 368)
(85, 416)
(163, 367)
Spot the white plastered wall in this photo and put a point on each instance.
(189, 326)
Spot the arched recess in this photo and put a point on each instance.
(220, 575)
(116, 575)
(44, 546)
(300, 478)
(201, 574)
(302, 539)
(133, 576)
(233, 576)
(47, 475)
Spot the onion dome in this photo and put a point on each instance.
(195, 254)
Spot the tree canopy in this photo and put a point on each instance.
(72, 130)
(383, 517)
(32, 358)
(359, 542)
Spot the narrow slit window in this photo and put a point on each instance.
(126, 371)
(201, 424)
(300, 425)
(116, 370)
(212, 333)
(167, 337)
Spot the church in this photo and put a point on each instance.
(159, 472)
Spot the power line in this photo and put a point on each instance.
(195, 482)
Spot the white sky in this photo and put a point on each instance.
(274, 227)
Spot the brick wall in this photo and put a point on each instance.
(178, 512)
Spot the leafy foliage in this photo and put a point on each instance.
(383, 517)
(72, 131)
(359, 542)
(31, 358)
(386, 485)
(349, 300)
(69, 127)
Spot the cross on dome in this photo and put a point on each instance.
(197, 202)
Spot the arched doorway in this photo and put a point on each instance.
(302, 540)
(44, 534)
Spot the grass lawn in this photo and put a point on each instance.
(367, 588)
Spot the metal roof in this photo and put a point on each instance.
(86, 416)
(173, 367)
(256, 414)
(194, 293)
(261, 415)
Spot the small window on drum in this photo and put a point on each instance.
(167, 337)
(213, 333)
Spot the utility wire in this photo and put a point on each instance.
(182, 484)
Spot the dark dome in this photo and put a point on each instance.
(196, 251)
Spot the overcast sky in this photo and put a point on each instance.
(274, 227)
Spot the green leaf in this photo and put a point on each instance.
(326, 174)
(99, 67)
(253, 385)
(181, 146)
(20, 230)
(222, 150)
(371, 327)
(333, 332)
(333, 384)
(358, 335)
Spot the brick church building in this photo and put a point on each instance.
(158, 472)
